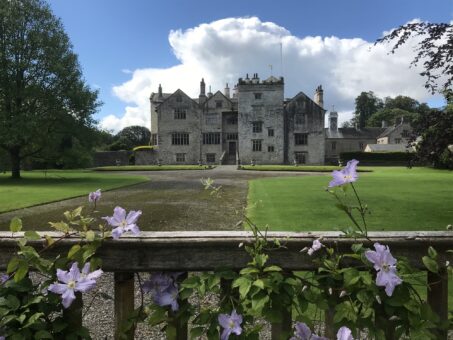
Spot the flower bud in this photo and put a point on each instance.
(378, 299)
(343, 293)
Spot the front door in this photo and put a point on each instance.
(231, 150)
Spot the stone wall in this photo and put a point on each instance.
(146, 157)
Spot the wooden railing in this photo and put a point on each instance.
(208, 250)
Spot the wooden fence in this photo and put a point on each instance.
(208, 250)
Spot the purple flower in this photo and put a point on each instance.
(2, 338)
(164, 289)
(3, 279)
(230, 324)
(346, 175)
(385, 265)
(344, 333)
(86, 274)
(122, 222)
(315, 247)
(73, 281)
(303, 332)
(94, 196)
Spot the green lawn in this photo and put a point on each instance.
(153, 167)
(399, 199)
(302, 168)
(37, 187)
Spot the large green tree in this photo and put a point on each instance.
(41, 84)
(366, 104)
(130, 137)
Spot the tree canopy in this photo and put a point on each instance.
(366, 104)
(41, 83)
(130, 137)
(434, 51)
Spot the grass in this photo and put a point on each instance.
(153, 167)
(399, 199)
(303, 168)
(38, 187)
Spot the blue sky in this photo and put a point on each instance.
(113, 37)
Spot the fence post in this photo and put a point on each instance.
(282, 330)
(177, 328)
(124, 304)
(73, 314)
(329, 330)
(438, 298)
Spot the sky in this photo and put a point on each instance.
(127, 48)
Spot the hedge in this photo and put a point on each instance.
(377, 157)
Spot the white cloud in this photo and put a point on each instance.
(224, 50)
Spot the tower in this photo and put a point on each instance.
(319, 96)
(333, 121)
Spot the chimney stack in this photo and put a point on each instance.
(383, 124)
(202, 96)
(160, 96)
(319, 96)
(227, 91)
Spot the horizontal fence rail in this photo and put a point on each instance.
(208, 250)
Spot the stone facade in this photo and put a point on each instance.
(254, 125)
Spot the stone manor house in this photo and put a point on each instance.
(253, 124)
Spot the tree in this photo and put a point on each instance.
(130, 137)
(395, 109)
(366, 104)
(41, 84)
(434, 51)
(433, 133)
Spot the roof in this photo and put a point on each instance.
(392, 128)
(365, 133)
(155, 96)
(388, 148)
(301, 94)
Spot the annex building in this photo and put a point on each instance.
(252, 124)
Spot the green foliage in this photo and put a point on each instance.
(50, 94)
(366, 104)
(130, 137)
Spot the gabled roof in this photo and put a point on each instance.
(215, 94)
(155, 96)
(365, 133)
(301, 94)
(390, 129)
(178, 91)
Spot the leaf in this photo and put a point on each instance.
(74, 249)
(21, 271)
(244, 285)
(35, 317)
(32, 235)
(60, 226)
(12, 265)
(258, 302)
(90, 235)
(351, 276)
(15, 225)
(259, 283)
(249, 270)
(196, 332)
(49, 240)
(43, 334)
(272, 269)
(430, 264)
(432, 253)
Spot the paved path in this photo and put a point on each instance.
(171, 200)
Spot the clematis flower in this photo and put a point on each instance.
(315, 247)
(385, 265)
(72, 281)
(164, 289)
(86, 274)
(2, 338)
(346, 175)
(303, 332)
(3, 279)
(344, 333)
(94, 196)
(230, 324)
(122, 222)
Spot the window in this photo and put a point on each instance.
(405, 134)
(300, 139)
(179, 98)
(299, 119)
(256, 144)
(270, 148)
(257, 127)
(180, 157)
(300, 157)
(397, 140)
(361, 146)
(232, 120)
(218, 104)
(232, 136)
(211, 138)
(210, 158)
(154, 139)
(258, 96)
(334, 146)
(180, 113)
(180, 138)
(270, 132)
(212, 118)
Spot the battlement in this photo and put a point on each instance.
(255, 80)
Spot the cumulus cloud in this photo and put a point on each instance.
(224, 50)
